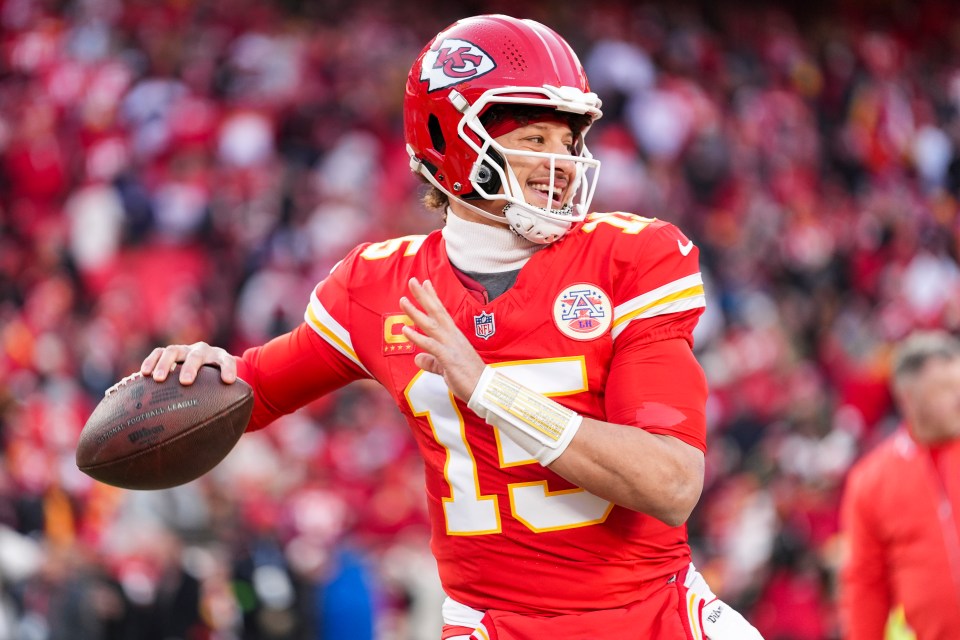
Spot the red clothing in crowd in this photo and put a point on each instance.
(902, 514)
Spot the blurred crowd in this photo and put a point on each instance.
(176, 171)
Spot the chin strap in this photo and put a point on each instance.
(524, 222)
(535, 228)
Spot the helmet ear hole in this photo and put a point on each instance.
(484, 174)
(487, 176)
(436, 134)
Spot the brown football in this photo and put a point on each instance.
(154, 435)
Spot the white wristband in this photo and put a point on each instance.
(541, 427)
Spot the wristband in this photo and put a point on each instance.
(543, 428)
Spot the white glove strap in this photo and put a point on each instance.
(541, 427)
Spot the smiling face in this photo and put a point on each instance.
(543, 183)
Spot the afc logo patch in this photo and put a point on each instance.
(583, 311)
(454, 61)
(394, 342)
(483, 325)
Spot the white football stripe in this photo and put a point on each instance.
(330, 330)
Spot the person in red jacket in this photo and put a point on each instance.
(901, 505)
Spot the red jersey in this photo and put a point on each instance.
(600, 321)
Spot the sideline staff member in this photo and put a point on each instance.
(901, 507)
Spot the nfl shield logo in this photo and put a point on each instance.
(483, 324)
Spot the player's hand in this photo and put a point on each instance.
(445, 351)
(163, 361)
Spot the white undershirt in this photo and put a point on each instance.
(484, 248)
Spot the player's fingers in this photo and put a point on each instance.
(426, 296)
(148, 364)
(228, 366)
(428, 287)
(430, 316)
(447, 344)
(167, 362)
(423, 341)
(421, 319)
(196, 357)
(428, 363)
(200, 354)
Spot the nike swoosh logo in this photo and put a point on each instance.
(685, 248)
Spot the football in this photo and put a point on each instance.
(155, 435)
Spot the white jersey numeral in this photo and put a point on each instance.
(467, 510)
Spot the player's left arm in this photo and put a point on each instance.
(660, 475)
(649, 454)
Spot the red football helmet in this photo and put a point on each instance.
(468, 67)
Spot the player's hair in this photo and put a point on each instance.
(919, 348)
(434, 198)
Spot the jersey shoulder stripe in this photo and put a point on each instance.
(330, 330)
(680, 295)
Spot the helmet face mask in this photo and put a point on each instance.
(472, 66)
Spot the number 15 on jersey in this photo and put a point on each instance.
(468, 511)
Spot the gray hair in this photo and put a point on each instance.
(919, 348)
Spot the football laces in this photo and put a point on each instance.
(124, 381)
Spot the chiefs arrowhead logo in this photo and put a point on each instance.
(454, 61)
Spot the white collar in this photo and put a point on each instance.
(483, 248)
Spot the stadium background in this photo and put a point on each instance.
(172, 171)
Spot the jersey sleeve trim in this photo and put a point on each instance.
(331, 331)
(679, 295)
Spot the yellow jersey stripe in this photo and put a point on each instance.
(679, 295)
(645, 299)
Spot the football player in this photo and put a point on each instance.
(541, 353)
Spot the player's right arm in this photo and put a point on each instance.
(286, 373)
(289, 371)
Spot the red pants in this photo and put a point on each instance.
(662, 615)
